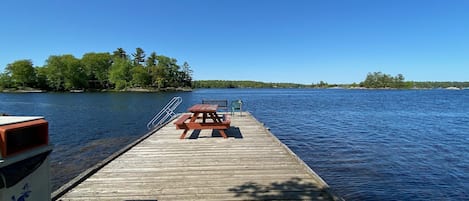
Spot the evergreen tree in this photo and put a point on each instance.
(139, 56)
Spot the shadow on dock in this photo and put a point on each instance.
(232, 132)
(293, 189)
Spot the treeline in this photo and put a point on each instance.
(427, 85)
(98, 71)
(375, 80)
(242, 84)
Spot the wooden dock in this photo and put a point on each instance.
(251, 164)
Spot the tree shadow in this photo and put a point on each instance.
(293, 189)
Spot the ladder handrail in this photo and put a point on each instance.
(166, 113)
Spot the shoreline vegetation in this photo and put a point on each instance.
(228, 84)
(411, 85)
(104, 71)
(121, 72)
(375, 80)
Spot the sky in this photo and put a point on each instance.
(336, 41)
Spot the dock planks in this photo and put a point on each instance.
(251, 164)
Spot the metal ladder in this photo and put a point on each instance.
(166, 113)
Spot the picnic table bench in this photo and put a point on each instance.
(222, 104)
(209, 120)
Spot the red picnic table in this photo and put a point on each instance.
(209, 120)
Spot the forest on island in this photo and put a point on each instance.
(379, 80)
(98, 71)
(382, 80)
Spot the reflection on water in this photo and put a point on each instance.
(366, 144)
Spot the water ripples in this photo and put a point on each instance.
(380, 145)
(366, 144)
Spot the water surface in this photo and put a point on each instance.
(366, 144)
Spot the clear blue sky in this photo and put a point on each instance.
(263, 40)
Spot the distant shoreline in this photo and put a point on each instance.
(173, 89)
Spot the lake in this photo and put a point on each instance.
(366, 144)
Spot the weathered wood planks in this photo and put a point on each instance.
(250, 165)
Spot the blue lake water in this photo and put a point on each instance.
(366, 144)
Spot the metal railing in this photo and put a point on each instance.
(166, 113)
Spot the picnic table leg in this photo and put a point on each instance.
(215, 118)
(184, 134)
(222, 133)
(194, 116)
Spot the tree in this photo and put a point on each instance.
(171, 70)
(119, 73)
(96, 66)
(41, 78)
(152, 60)
(322, 84)
(119, 53)
(55, 73)
(139, 56)
(140, 77)
(65, 72)
(160, 76)
(399, 81)
(5, 81)
(151, 63)
(187, 75)
(22, 73)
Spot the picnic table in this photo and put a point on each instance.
(203, 116)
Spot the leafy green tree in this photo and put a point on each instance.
(65, 72)
(119, 73)
(96, 66)
(41, 78)
(55, 73)
(75, 77)
(22, 73)
(5, 81)
(140, 77)
(160, 76)
(171, 70)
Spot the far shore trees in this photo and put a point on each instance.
(381, 80)
(98, 71)
(21, 73)
(96, 66)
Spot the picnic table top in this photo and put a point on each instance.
(203, 108)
